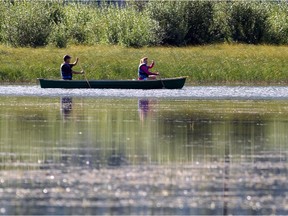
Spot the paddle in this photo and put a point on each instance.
(161, 80)
(85, 75)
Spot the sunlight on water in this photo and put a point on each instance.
(83, 155)
(197, 92)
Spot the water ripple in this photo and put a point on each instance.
(190, 92)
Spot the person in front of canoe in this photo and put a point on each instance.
(66, 68)
(143, 70)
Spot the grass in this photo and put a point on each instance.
(213, 64)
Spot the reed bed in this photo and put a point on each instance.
(210, 64)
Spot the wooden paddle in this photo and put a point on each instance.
(85, 75)
(161, 80)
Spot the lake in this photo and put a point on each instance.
(197, 151)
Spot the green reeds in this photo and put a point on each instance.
(213, 64)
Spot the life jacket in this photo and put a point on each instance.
(66, 75)
(141, 73)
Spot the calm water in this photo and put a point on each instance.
(144, 152)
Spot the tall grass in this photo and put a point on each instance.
(137, 24)
(222, 64)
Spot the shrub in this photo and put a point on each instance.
(59, 32)
(199, 21)
(30, 23)
(183, 22)
(77, 19)
(2, 17)
(59, 36)
(26, 24)
(220, 30)
(278, 24)
(248, 22)
(129, 27)
(172, 20)
(125, 26)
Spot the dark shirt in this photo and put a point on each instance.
(66, 71)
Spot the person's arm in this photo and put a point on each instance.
(75, 63)
(75, 72)
(152, 65)
(143, 68)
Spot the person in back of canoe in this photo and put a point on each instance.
(66, 68)
(143, 70)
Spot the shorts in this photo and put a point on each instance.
(143, 78)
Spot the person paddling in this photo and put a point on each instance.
(66, 68)
(143, 70)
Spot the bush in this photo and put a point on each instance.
(172, 19)
(26, 24)
(199, 22)
(59, 36)
(278, 24)
(108, 24)
(220, 30)
(128, 27)
(77, 19)
(183, 23)
(136, 24)
(248, 22)
(2, 17)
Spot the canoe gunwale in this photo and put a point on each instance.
(167, 83)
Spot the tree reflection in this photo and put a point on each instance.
(226, 178)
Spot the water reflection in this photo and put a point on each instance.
(66, 106)
(226, 179)
(143, 156)
(146, 107)
(143, 108)
(116, 159)
(181, 130)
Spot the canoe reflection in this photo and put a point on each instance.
(66, 106)
(116, 159)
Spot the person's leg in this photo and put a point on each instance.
(152, 77)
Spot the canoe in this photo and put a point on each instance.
(172, 83)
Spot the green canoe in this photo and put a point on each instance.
(173, 83)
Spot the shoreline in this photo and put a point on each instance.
(188, 84)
